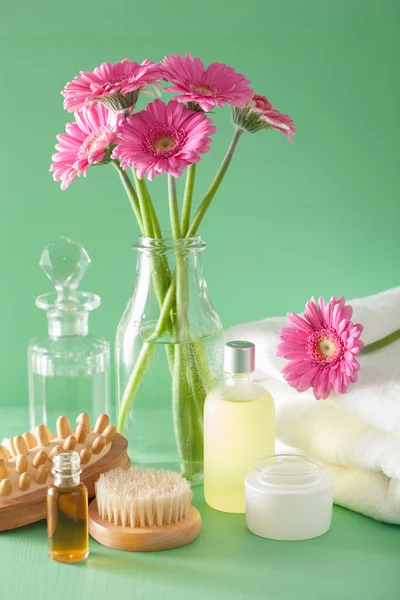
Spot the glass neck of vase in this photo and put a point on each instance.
(170, 274)
(183, 247)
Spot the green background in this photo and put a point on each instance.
(319, 217)
(316, 217)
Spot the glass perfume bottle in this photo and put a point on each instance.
(239, 428)
(68, 371)
(67, 510)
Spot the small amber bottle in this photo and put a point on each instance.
(67, 510)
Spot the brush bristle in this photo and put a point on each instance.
(142, 497)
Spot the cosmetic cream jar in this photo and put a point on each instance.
(288, 497)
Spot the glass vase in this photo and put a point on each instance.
(169, 354)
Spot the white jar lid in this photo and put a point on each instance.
(289, 471)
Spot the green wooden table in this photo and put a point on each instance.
(358, 559)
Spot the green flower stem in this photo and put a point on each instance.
(130, 190)
(166, 308)
(188, 425)
(162, 283)
(173, 208)
(165, 271)
(200, 356)
(156, 224)
(215, 185)
(187, 198)
(152, 229)
(145, 209)
(135, 379)
(181, 266)
(385, 341)
(196, 399)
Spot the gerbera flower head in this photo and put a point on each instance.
(215, 85)
(117, 86)
(259, 114)
(163, 138)
(88, 141)
(321, 348)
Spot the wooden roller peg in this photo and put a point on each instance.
(3, 469)
(55, 451)
(24, 482)
(42, 435)
(81, 433)
(101, 423)
(86, 455)
(20, 445)
(70, 443)
(40, 458)
(63, 427)
(22, 464)
(5, 487)
(109, 433)
(42, 474)
(12, 449)
(30, 440)
(4, 454)
(98, 444)
(83, 419)
(51, 436)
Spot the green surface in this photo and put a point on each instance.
(319, 217)
(358, 559)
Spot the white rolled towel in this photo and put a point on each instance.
(356, 434)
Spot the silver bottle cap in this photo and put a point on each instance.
(240, 357)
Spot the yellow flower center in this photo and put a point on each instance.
(203, 89)
(97, 141)
(327, 348)
(164, 143)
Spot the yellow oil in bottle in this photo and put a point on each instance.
(239, 429)
(67, 511)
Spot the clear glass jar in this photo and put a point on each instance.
(288, 497)
(68, 370)
(169, 354)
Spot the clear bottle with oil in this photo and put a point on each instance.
(68, 370)
(239, 428)
(67, 510)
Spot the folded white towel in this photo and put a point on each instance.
(356, 434)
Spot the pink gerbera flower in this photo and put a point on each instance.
(215, 85)
(260, 114)
(163, 138)
(321, 348)
(117, 86)
(276, 120)
(87, 142)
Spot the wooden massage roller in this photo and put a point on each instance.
(26, 462)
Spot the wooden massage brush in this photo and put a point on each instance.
(143, 510)
(26, 462)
